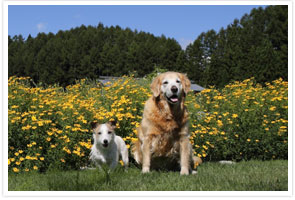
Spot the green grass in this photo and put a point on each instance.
(242, 176)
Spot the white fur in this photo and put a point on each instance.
(169, 82)
(108, 155)
(229, 162)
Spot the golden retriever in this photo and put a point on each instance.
(163, 135)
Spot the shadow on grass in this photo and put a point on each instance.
(92, 179)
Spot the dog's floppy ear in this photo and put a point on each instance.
(94, 125)
(113, 123)
(186, 84)
(156, 86)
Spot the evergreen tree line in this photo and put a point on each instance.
(254, 46)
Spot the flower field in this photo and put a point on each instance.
(49, 127)
(242, 121)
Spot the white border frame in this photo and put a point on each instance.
(4, 108)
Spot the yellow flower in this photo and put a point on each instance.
(8, 161)
(62, 160)
(26, 127)
(16, 154)
(234, 115)
(48, 139)
(66, 150)
(205, 147)
(35, 167)
(219, 123)
(77, 125)
(121, 162)
(34, 118)
(272, 108)
(225, 114)
(20, 151)
(49, 133)
(197, 106)
(40, 123)
(41, 158)
(27, 170)
(17, 163)
(248, 140)
(15, 169)
(77, 152)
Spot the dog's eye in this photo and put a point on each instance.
(99, 133)
(165, 82)
(177, 81)
(109, 132)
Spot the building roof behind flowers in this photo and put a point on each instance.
(105, 79)
(196, 87)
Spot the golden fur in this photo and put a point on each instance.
(163, 136)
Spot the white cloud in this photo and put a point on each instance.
(184, 42)
(41, 26)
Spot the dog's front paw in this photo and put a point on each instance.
(145, 170)
(184, 171)
(194, 172)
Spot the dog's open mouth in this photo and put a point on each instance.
(173, 99)
(105, 145)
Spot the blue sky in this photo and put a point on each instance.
(183, 23)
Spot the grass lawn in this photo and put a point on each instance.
(242, 176)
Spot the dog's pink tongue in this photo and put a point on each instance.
(174, 99)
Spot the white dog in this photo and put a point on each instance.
(107, 146)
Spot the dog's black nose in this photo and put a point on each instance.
(105, 141)
(174, 89)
